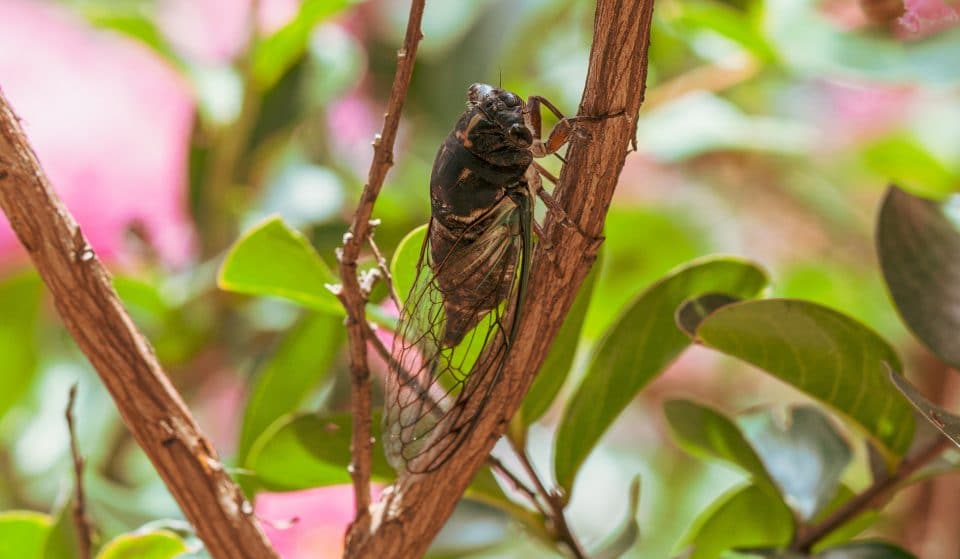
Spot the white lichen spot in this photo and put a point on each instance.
(347, 237)
(374, 222)
(334, 288)
(246, 508)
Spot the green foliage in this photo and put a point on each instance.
(273, 55)
(301, 452)
(918, 242)
(303, 359)
(746, 517)
(151, 545)
(642, 342)
(18, 345)
(23, 534)
(273, 260)
(821, 352)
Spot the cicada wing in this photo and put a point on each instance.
(436, 390)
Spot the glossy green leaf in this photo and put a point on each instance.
(828, 355)
(273, 260)
(304, 358)
(300, 452)
(153, 545)
(745, 517)
(865, 550)
(638, 347)
(918, 242)
(624, 537)
(23, 534)
(705, 432)
(692, 312)
(20, 304)
(403, 265)
(553, 373)
(274, 55)
(62, 539)
(904, 160)
(848, 530)
(945, 421)
(806, 457)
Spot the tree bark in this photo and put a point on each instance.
(413, 510)
(152, 409)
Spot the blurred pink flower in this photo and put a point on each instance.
(217, 30)
(858, 111)
(109, 121)
(352, 123)
(926, 17)
(308, 524)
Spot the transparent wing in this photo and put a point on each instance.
(460, 309)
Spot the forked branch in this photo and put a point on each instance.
(152, 409)
(405, 522)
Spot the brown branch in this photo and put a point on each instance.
(407, 519)
(871, 496)
(555, 504)
(80, 519)
(152, 409)
(351, 295)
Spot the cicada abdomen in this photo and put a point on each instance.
(460, 317)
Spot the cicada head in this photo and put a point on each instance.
(495, 122)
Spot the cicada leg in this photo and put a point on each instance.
(559, 135)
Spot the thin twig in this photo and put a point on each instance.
(871, 496)
(556, 513)
(80, 520)
(385, 270)
(352, 297)
(156, 415)
(518, 484)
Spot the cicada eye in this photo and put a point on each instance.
(510, 99)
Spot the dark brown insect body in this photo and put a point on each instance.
(459, 320)
(476, 187)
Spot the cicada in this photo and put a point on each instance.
(460, 318)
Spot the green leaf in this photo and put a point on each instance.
(272, 259)
(20, 301)
(705, 432)
(692, 312)
(918, 242)
(300, 452)
(553, 373)
(640, 345)
(62, 539)
(728, 22)
(304, 358)
(745, 517)
(904, 160)
(403, 266)
(806, 458)
(274, 55)
(624, 537)
(828, 355)
(23, 534)
(865, 550)
(153, 545)
(945, 421)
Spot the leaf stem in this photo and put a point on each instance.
(810, 536)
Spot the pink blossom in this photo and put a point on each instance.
(353, 122)
(860, 111)
(109, 121)
(218, 30)
(927, 17)
(307, 524)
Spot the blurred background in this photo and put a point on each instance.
(169, 127)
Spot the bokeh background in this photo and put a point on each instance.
(770, 130)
